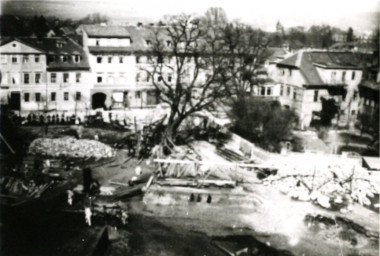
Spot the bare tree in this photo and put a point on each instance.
(245, 50)
(185, 67)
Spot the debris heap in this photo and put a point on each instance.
(70, 147)
(335, 185)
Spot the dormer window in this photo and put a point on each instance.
(148, 43)
(59, 44)
(51, 58)
(76, 58)
(63, 58)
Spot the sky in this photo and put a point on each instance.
(261, 13)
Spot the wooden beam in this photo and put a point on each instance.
(178, 161)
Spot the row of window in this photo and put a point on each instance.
(26, 58)
(288, 91)
(64, 58)
(140, 77)
(36, 58)
(65, 77)
(333, 76)
(36, 78)
(139, 59)
(53, 96)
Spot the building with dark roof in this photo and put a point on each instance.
(41, 74)
(305, 77)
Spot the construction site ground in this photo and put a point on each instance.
(275, 221)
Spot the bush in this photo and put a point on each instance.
(263, 122)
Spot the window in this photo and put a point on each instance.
(288, 91)
(109, 59)
(65, 96)
(281, 90)
(147, 77)
(269, 91)
(283, 72)
(159, 79)
(169, 78)
(169, 43)
(53, 78)
(25, 58)
(110, 80)
(137, 59)
(76, 58)
(290, 72)
(138, 77)
(64, 58)
(333, 75)
(99, 79)
(53, 96)
(316, 96)
(99, 59)
(37, 78)
(120, 59)
(353, 112)
(36, 58)
(121, 79)
(15, 78)
(78, 77)
(51, 58)
(78, 96)
(344, 76)
(262, 93)
(353, 75)
(355, 96)
(14, 59)
(294, 95)
(26, 78)
(138, 95)
(65, 77)
(148, 42)
(4, 59)
(97, 42)
(26, 97)
(38, 96)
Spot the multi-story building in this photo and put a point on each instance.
(301, 80)
(45, 74)
(118, 56)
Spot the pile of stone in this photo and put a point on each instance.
(71, 148)
(335, 185)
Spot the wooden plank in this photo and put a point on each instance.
(178, 161)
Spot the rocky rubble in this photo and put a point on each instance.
(335, 185)
(70, 147)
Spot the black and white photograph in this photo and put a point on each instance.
(189, 128)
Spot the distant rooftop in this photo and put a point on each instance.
(106, 31)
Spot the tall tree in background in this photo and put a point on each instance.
(184, 68)
(350, 35)
(245, 50)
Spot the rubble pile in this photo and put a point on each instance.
(20, 187)
(336, 185)
(71, 147)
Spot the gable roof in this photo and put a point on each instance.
(56, 46)
(97, 31)
(307, 61)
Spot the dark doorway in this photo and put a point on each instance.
(15, 101)
(98, 100)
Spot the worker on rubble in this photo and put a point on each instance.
(87, 215)
(70, 195)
